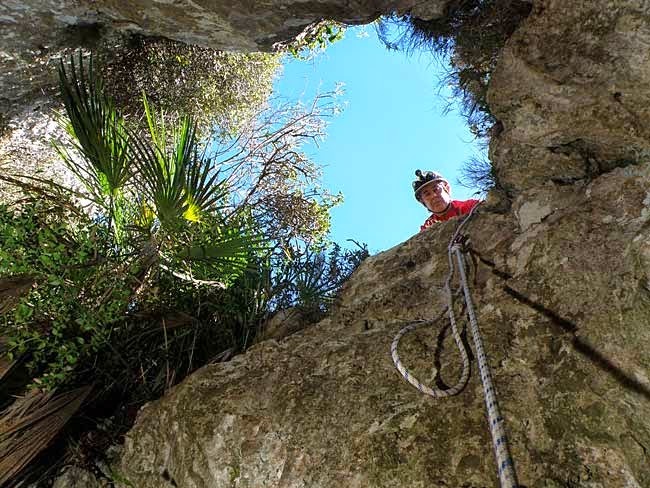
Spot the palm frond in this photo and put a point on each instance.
(233, 249)
(163, 184)
(203, 188)
(223, 258)
(30, 424)
(97, 132)
(180, 182)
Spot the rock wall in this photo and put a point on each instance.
(562, 281)
(562, 288)
(572, 90)
(563, 301)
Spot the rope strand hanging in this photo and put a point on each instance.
(505, 465)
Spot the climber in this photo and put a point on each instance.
(433, 191)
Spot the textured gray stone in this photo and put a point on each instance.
(571, 89)
(74, 477)
(563, 308)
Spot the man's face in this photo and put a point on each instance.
(435, 196)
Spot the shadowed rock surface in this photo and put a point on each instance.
(572, 89)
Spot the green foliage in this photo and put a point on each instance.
(180, 184)
(101, 155)
(98, 130)
(162, 218)
(78, 298)
(216, 89)
(183, 257)
(470, 38)
(175, 185)
(168, 238)
(310, 277)
(210, 252)
(245, 305)
(315, 39)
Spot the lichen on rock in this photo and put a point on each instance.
(566, 335)
(570, 89)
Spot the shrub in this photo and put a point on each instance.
(169, 255)
(477, 172)
(314, 39)
(79, 295)
(310, 277)
(217, 89)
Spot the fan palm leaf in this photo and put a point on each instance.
(231, 251)
(179, 181)
(222, 254)
(97, 132)
(163, 183)
(203, 188)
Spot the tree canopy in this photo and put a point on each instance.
(217, 89)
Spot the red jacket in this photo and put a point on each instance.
(456, 209)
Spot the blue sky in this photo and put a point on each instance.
(392, 124)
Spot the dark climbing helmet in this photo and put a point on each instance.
(424, 178)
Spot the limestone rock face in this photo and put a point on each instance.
(572, 89)
(34, 32)
(561, 281)
(74, 477)
(563, 300)
(242, 26)
(562, 290)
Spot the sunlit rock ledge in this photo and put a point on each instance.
(563, 303)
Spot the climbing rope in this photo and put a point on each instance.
(464, 376)
(505, 465)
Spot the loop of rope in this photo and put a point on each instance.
(434, 392)
(464, 376)
(505, 464)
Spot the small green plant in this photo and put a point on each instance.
(217, 89)
(311, 277)
(98, 151)
(316, 38)
(78, 297)
(154, 191)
